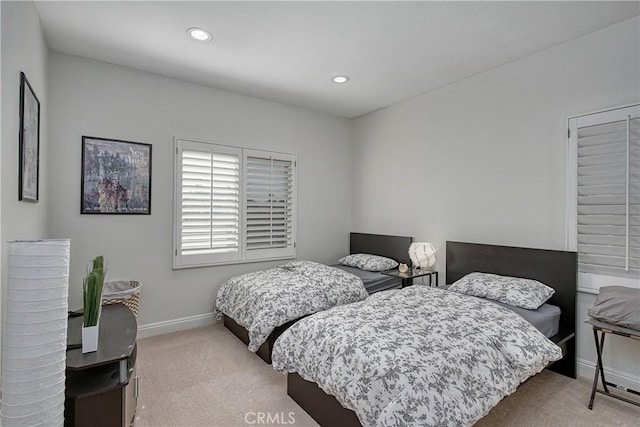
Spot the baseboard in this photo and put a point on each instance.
(175, 325)
(587, 369)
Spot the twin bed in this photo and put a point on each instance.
(427, 356)
(258, 307)
(557, 269)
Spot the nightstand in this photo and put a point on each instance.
(407, 278)
(102, 386)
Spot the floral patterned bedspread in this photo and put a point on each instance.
(418, 356)
(264, 300)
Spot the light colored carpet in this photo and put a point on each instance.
(207, 377)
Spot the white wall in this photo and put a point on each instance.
(102, 100)
(483, 160)
(23, 49)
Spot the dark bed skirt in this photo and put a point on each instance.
(323, 408)
(264, 352)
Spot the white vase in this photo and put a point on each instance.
(90, 338)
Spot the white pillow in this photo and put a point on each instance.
(516, 291)
(368, 262)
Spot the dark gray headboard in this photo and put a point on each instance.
(557, 269)
(395, 247)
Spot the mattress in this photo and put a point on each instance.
(546, 318)
(373, 281)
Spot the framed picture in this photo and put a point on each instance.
(29, 143)
(116, 177)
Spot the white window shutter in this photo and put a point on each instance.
(608, 194)
(208, 211)
(270, 203)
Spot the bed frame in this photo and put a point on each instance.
(557, 269)
(395, 247)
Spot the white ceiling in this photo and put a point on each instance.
(288, 51)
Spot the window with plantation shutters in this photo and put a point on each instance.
(605, 149)
(269, 206)
(232, 205)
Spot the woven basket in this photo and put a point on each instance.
(132, 303)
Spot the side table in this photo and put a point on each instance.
(407, 278)
(608, 328)
(102, 386)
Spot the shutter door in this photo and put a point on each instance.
(210, 204)
(269, 203)
(608, 193)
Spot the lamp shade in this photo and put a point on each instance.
(35, 333)
(423, 255)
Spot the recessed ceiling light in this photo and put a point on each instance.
(340, 79)
(199, 34)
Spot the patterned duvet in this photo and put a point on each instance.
(418, 356)
(264, 300)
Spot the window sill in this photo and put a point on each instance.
(218, 264)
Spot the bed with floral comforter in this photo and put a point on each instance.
(418, 356)
(263, 300)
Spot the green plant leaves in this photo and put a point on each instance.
(92, 292)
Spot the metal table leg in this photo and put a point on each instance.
(598, 367)
(600, 371)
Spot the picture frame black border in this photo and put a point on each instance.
(82, 207)
(24, 84)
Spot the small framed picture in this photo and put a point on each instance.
(29, 143)
(116, 177)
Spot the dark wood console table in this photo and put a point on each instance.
(101, 387)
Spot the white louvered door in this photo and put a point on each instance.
(269, 193)
(606, 152)
(208, 205)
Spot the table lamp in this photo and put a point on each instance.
(423, 255)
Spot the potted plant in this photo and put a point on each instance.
(92, 304)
